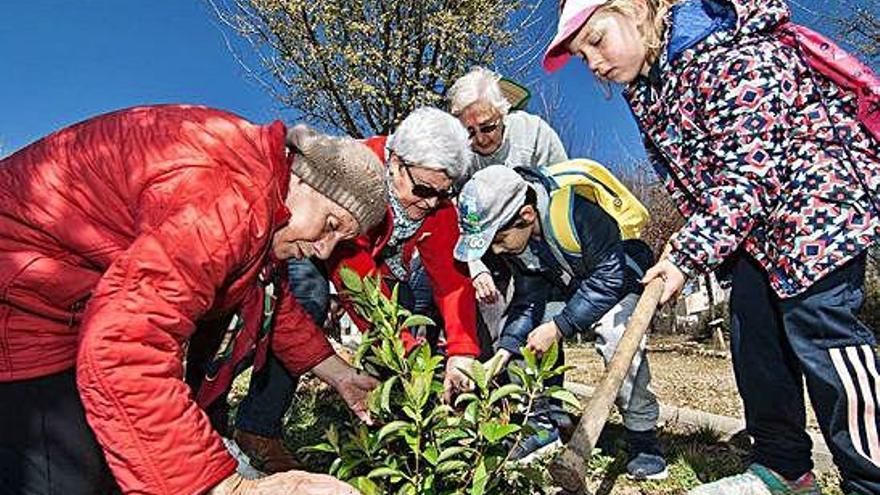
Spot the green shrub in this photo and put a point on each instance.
(421, 445)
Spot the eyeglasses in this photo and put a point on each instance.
(423, 191)
(483, 128)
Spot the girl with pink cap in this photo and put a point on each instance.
(766, 135)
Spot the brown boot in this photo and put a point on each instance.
(266, 454)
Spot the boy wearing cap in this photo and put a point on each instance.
(506, 210)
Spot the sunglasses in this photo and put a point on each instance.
(483, 129)
(423, 191)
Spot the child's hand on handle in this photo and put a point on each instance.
(673, 278)
(288, 483)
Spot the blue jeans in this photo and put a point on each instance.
(777, 343)
(272, 390)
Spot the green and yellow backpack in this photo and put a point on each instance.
(595, 183)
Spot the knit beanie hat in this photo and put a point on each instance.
(342, 169)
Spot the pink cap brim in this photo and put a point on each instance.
(557, 54)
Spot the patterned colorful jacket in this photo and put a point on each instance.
(758, 150)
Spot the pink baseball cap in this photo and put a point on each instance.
(574, 14)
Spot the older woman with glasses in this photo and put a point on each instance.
(499, 137)
(426, 156)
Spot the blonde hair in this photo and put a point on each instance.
(654, 32)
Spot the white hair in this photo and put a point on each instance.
(477, 85)
(433, 139)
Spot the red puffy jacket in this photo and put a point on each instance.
(435, 241)
(116, 235)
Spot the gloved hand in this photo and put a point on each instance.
(455, 381)
(288, 483)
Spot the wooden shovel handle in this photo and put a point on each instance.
(569, 468)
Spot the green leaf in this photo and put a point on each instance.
(548, 360)
(453, 451)
(334, 467)
(385, 472)
(560, 370)
(494, 431)
(465, 398)
(470, 412)
(408, 488)
(529, 356)
(449, 466)
(366, 486)
(480, 376)
(565, 396)
(439, 412)
(395, 306)
(319, 448)
(387, 388)
(417, 321)
(388, 356)
(505, 391)
(452, 435)
(412, 413)
(431, 455)
(521, 374)
(332, 436)
(391, 428)
(480, 479)
(351, 280)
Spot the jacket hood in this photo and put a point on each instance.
(693, 21)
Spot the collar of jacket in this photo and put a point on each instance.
(692, 21)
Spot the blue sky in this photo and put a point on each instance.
(63, 61)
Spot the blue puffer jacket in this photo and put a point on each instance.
(597, 278)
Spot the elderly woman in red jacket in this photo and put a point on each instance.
(118, 236)
(428, 153)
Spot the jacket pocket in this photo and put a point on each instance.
(51, 288)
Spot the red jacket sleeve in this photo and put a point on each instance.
(296, 339)
(193, 231)
(453, 292)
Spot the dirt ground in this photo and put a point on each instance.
(682, 379)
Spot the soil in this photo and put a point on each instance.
(684, 374)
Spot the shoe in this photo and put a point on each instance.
(536, 445)
(266, 454)
(760, 480)
(245, 469)
(645, 460)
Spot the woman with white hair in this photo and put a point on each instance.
(426, 156)
(499, 136)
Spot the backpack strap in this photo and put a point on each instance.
(544, 206)
(561, 222)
